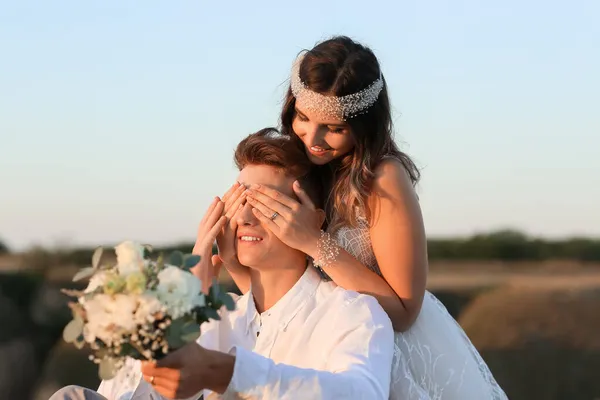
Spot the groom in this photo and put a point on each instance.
(292, 335)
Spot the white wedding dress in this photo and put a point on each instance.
(434, 359)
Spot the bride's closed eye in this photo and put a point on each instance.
(301, 117)
(330, 128)
(335, 129)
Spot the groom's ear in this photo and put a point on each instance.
(321, 214)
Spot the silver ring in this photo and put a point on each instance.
(275, 214)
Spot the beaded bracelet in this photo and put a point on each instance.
(327, 251)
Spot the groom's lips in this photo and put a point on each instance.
(249, 237)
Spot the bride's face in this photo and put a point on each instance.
(257, 246)
(324, 139)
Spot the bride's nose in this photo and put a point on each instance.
(246, 216)
(314, 135)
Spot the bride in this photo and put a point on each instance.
(337, 109)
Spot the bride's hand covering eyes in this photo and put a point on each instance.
(297, 224)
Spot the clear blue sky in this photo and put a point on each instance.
(118, 119)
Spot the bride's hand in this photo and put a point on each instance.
(297, 224)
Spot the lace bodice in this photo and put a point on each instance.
(434, 359)
(357, 241)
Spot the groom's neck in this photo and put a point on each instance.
(270, 285)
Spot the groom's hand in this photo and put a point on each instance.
(189, 370)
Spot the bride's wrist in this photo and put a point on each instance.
(312, 246)
(326, 251)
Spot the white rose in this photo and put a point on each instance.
(130, 257)
(179, 291)
(122, 309)
(98, 321)
(109, 317)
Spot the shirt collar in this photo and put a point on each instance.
(288, 306)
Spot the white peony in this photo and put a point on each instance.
(109, 317)
(130, 257)
(179, 291)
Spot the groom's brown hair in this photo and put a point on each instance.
(269, 147)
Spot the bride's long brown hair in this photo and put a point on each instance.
(340, 66)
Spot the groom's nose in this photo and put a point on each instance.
(246, 216)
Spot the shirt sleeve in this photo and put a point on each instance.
(359, 354)
(125, 384)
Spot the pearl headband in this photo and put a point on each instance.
(336, 107)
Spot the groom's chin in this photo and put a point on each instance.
(247, 259)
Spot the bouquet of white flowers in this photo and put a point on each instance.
(139, 308)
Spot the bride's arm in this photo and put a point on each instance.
(400, 247)
(397, 236)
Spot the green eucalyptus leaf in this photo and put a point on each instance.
(215, 290)
(73, 330)
(96, 257)
(174, 333)
(107, 369)
(190, 261)
(127, 350)
(176, 258)
(227, 301)
(84, 273)
(190, 332)
(211, 313)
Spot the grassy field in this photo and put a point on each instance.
(443, 275)
(528, 320)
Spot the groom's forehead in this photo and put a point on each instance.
(268, 176)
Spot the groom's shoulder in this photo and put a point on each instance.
(336, 300)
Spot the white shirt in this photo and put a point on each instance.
(318, 341)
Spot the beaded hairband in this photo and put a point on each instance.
(336, 107)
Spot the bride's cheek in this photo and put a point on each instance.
(297, 127)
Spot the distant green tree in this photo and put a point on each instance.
(507, 245)
(512, 245)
